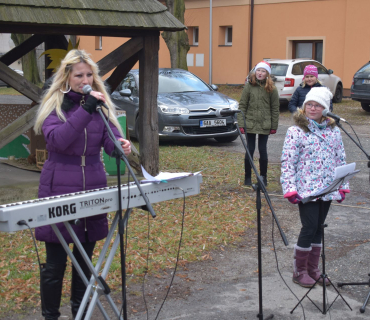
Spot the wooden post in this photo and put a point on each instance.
(148, 113)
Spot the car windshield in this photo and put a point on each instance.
(365, 68)
(279, 69)
(170, 82)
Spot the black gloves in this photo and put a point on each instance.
(90, 104)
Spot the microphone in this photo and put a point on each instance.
(226, 112)
(327, 113)
(87, 89)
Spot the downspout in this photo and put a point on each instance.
(251, 36)
(210, 41)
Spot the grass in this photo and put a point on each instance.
(352, 111)
(215, 218)
(9, 91)
(234, 92)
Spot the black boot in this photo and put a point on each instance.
(78, 289)
(51, 283)
(264, 179)
(263, 170)
(248, 172)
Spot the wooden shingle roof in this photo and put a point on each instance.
(118, 14)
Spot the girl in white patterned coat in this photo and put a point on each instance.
(313, 148)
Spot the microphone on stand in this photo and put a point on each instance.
(327, 113)
(87, 89)
(226, 112)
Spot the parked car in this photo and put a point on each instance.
(288, 73)
(186, 107)
(360, 88)
(3, 84)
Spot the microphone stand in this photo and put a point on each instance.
(356, 143)
(341, 284)
(119, 154)
(258, 187)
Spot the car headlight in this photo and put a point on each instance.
(234, 105)
(174, 110)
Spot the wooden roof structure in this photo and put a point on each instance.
(50, 20)
(86, 14)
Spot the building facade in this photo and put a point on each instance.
(331, 31)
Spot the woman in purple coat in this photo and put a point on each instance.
(74, 134)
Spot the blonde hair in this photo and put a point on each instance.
(269, 86)
(53, 97)
(302, 112)
(304, 82)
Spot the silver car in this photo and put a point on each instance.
(187, 107)
(288, 74)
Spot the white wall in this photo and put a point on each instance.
(6, 44)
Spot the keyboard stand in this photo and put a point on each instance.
(96, 286)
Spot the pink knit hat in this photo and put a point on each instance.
(311, 70)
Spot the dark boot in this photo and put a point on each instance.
(313, 264)
(264, 180)
(248, 172)
(300, 274)
(51, 282)
(248, 181)
(263, 170)
(78, 289)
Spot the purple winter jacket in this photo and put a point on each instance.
(81, 134)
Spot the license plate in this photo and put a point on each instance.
(212, 123)
(366, 81)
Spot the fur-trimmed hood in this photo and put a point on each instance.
(301, 120)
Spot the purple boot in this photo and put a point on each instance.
(300, 274)
(313, 264)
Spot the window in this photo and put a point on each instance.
(320, 69)
(129, 83)
(98, 43)
(308, 49)
(225, 37)
(279, 69)
(298, 68)
(228, 36)
(193, 34)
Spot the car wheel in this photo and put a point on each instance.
(226, 139)
(137, 128)
(365, 106)
(338, 94)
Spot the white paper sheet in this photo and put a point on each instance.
(347, 171)
(164, 176)
(342, 171)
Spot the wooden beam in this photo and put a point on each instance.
(148, 110)
(18, 126)
(25, 47)
(121, 71)
(19, 83)
(75, 30)
(121, 54)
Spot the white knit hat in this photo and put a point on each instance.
(264, 65)
(321, 95)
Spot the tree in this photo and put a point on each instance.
(177, 42)
(29, 63)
